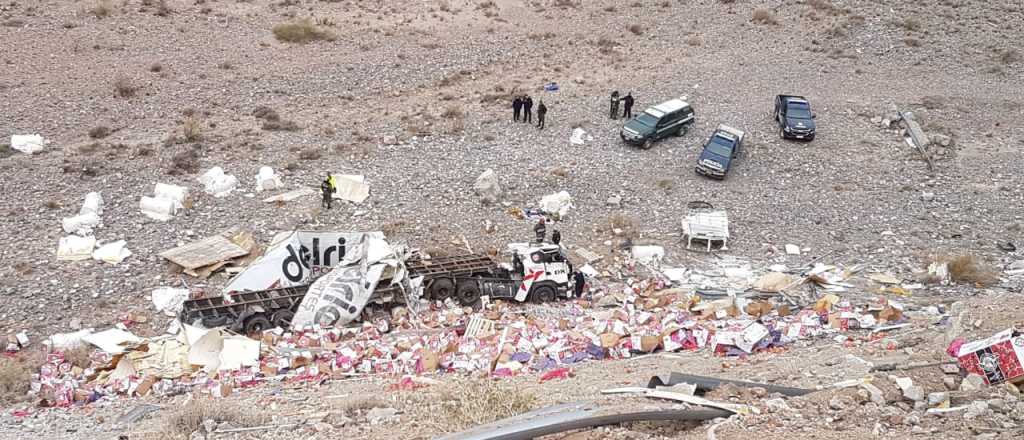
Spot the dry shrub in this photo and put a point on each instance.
(6, 150)
(99, 132)
(453, 112)
(695, 40)
(156, 68)
(933, 102)
(911, 24)
(89, 148)
(191, 129)
(309, 154)
(184, 162)
(51, 204)
(559, 172)
(478, 402)
(636, 29)
(79, 356)
(624, 223)
(665, 184)
(763, 16)
(124, 88)
(390, 229)
(912, 42)
(16, 375)
(825, 6)
(566, 4)
(182, 422)
(1010, 56)
(102, 9)
(301, 31)
(272, 121)
(967, 269)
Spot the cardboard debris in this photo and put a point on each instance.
(28, 143)
(350, 187)
(290, 195)
(202, 257)
(773, 282)
(112, 253)
(792, 249)
(238, 352)
(556, 205)
(883, 278)
(75, 248)
(113, 341)
(999, 358)
(587, 255)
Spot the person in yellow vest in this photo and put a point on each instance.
(328, 187)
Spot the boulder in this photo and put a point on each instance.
(487, 187)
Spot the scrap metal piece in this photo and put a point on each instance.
(580, 415)
(705, 384)
(917, 138)
(704, 222)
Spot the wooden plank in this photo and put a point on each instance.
(204, 252)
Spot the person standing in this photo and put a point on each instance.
(517, 106)
(556, 237)
(528, 109)
(615, 105)
(541, 111)
(627, 105)
(327, 188)
(541, 230)
(579, 281)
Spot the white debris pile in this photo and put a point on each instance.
(167, 200)
(487, 187)
(579, 136)
(112, 253)
(88, 217)
(169, 300)
(28, 143)
(267, 180)
(218, 184)
(556, 205)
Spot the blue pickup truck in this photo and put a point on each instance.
(720, 151)
(795, 118)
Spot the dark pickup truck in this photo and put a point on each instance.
(794, 116)
(720, 150)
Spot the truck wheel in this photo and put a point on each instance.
(468, 293)
(217, 321)
(441, 289)
(282, 318)
(647, 144)
(543, 294)
(256, 324)
(681, 131)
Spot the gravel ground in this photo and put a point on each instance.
(372, 101)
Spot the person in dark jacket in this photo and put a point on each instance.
(528, 109)
(615, 105)
(627, 106)
(517, 106)
(517, 265)
(541, 111)
(556, 237)
(541, 230)
(579, 281)
(327, 188)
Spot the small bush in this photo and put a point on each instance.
(99, 132)
(912, 42)
(184, 162)
(478, 402)
(124, 88)
(911, 24)
(51, 204)
(624, 223)
(559, 172)
(15, 375)
(272, 121)
(636, 29)
(301, 31)
(89, 148)
(156, 68)
(665, 184)
(453, 112)
(102, 9)
(191, 129)
(764, 16)
(695, 40)
(309, 154)
(967, 269)
(180, 423)
(1010, 56)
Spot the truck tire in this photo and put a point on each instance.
(216, 321)
(543, 294)
(441, 289)
(468, 292)
(256, 324)
(282, 318)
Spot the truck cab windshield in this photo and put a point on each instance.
(647, 119)
(720, 147)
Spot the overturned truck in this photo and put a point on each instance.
(539, 273)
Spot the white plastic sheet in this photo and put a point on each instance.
(648, 254)
(112, 253)
(169, 300)
(113, 341)
(579, 136)
(351, 187)
(218, 184)
(173, 192)
(157, 208)
(28, 143)
(93, 204)
(82, 224)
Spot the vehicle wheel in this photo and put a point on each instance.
(810, 138)
(468, 293)
(543, 294)
(782, 133)
(441, 289)
(282, 318)
(256, 324)
(681, 131)
(648, 144)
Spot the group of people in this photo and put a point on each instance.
(541, 229)
(627, 105)
(523, 106)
